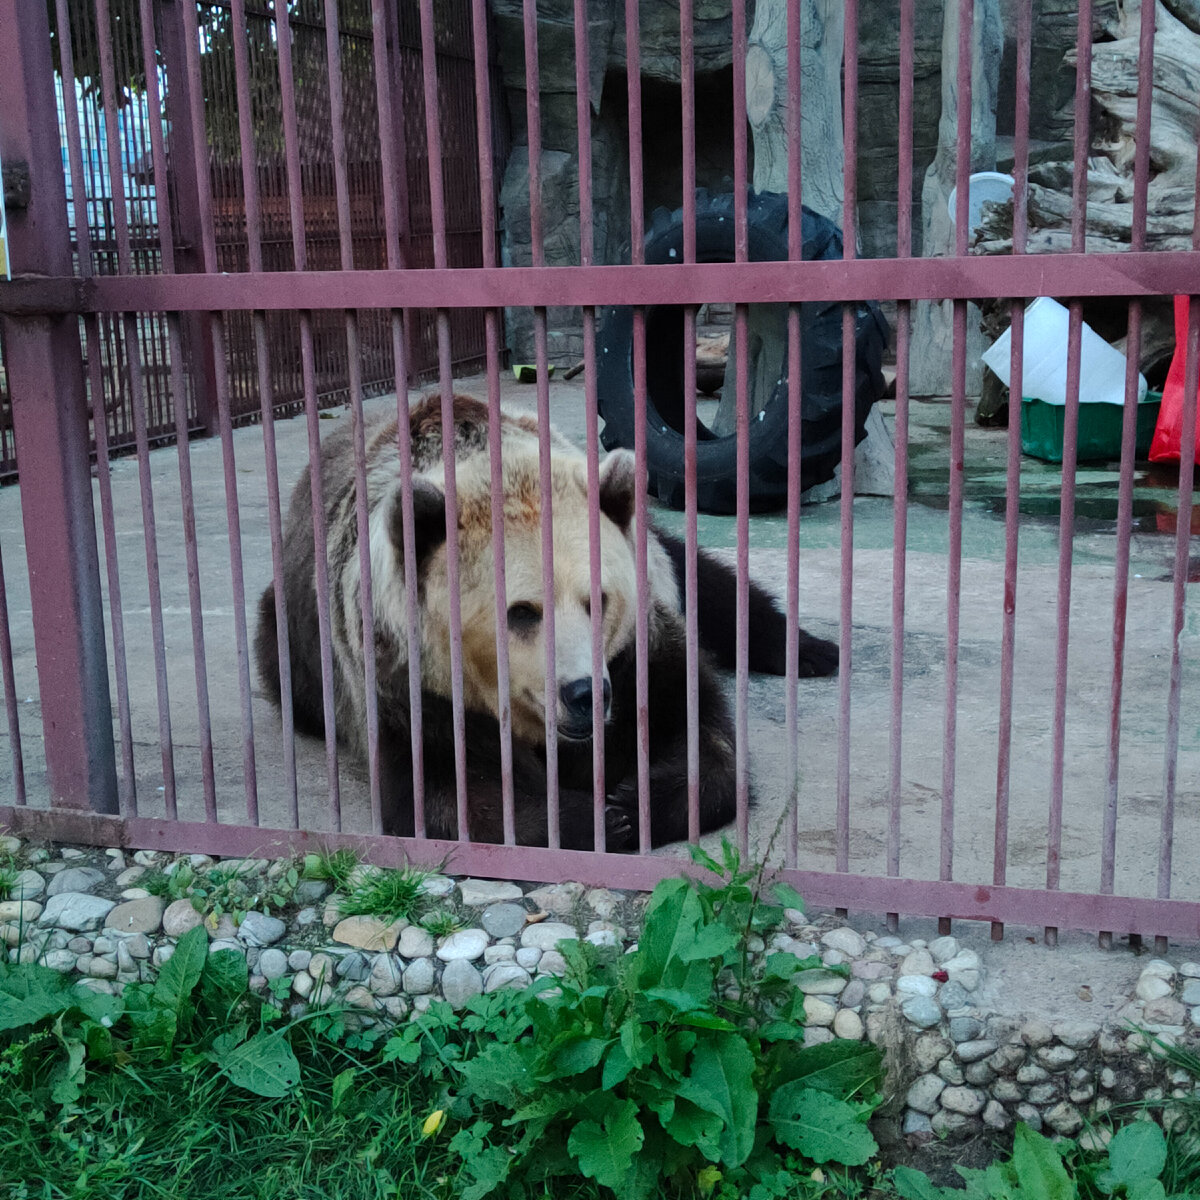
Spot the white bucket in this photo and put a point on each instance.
(1044, 368)
(993, 186)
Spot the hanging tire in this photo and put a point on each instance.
(821, 366)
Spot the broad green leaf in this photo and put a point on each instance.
(840, 1067)
(1039, 1168)
(264, 1065)
(691, 1125)
(224, 980)
(98, 1040)
(787, 895)
(155, 1030)
(911, 1184)
(29, 993)
(781, 1031)
(502, 1073)
(702, 1020)
(489, 1169)
(1148, 1189)
(342, 1083)
(820, 1126)
(605, 1151)
(721, 1081)
(702, 858)
(181, 972)
(400, 1049)
(1137, 1152)
(616, 1067)
(68, 1076)
(575, 1056)
(712, 941)
(678, 1000)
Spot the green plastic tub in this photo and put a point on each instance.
(1099, 429)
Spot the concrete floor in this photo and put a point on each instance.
(1147, 659)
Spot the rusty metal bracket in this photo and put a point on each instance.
(45, 295)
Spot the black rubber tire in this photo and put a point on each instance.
(821, 366)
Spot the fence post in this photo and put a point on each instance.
(50, 419)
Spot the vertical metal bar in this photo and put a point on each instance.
(333, 60)
(186, 491)
(1183, 525)
(79, 197)
(741, 333)
(900, 496)
(291, 141)
(849, 241)
(491, 321)
(1183, 528)
(433, 139)
(533, 122)
(1066, 535)
(1133, 345)
(637, 249)
(1013, 461)
(394, 207)
(10, 695)
(691, 586)
(250, 191)
(583, 124)
(958, 403)
(49, 413)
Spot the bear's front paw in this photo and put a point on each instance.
(817, 656)
(620, 826)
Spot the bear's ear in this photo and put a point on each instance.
(429, 519)
(617, 483)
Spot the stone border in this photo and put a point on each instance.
(954, 1069)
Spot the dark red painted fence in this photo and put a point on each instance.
(295, 263)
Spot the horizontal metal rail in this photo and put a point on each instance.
(1146, 273)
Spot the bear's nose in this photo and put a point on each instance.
(577, 696)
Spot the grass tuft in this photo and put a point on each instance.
(390, 894)
(442, 924)
(335, 866)
(8, 878)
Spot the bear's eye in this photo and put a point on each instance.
(587, 604)
(523, 618)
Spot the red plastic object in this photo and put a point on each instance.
(1168, 433)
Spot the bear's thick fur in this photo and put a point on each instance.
(527, 658)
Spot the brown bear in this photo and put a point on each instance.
(526, 643)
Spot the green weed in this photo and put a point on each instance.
(390, 894)
(334, 866)
(8, 877)
(441, 923)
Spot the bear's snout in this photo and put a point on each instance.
(576, 700)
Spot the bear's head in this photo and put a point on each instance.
(527, 620)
